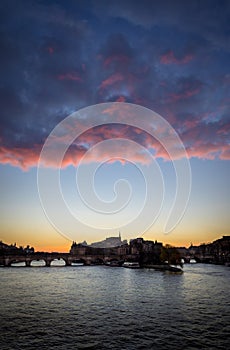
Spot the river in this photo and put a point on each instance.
(103, 307)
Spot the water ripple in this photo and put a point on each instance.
(103, 308)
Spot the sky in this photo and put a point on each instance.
(60, 57)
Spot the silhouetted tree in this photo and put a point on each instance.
(170, 255)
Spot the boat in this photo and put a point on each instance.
(114, 263)
(192, 261)
(77, 264)
(131, 265)
(165, 267)
(173, 268)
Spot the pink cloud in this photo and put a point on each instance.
(174, 97)
(23, 158)
(114, 78)
(209, 151)
(121, 99)
(116, 59)
(50, 50)
(69, 76)
(198, 147)
(169, 58)
(190, 124)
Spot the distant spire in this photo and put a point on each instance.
(119, 234)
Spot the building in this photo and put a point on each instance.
(215, 252)
(109, 242)
(145, 252)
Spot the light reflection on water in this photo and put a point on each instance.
(114, 308)
(38, 263)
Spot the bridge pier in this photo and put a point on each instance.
(28, 262)
(48, 262)
(7, 262)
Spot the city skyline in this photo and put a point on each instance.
(115, 242)
(59, 58)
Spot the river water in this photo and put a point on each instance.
(114, 308)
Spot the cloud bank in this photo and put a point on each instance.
(59, 57)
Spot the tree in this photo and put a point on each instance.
(170, 255)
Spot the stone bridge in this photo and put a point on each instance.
(199, 258)
(7, 260)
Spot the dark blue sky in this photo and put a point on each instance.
(57, 57)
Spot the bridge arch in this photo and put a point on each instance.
(17, 263)
(78, 261)
(37, 262)
(60, 261)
